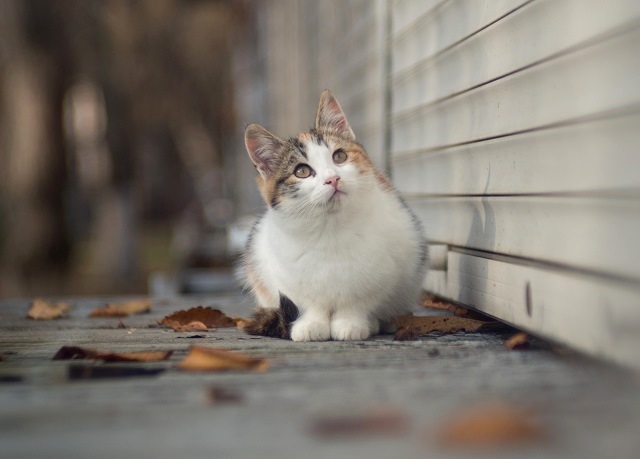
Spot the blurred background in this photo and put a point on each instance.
(122, 162)
(115, 120)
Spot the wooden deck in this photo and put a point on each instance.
(586, 409)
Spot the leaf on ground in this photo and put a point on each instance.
(241, 322)
(490, 426)
(431, 302)
(45, 310)
(1, 357)
(407, 333)
(202, 358)
(517, 342)
(194, 326)
(78, 371)
(211, 318)
(76, 352)
(122, 309)
(381, 421)
(421, 325)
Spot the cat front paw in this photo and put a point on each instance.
(349, 330)
(310, 331)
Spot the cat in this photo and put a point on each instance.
(337, 255)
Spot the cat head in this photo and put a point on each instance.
(322, 170)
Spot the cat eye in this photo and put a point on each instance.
(303, 171)
(339, 156)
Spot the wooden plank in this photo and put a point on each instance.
(580, 232)
(600, 78)
(597, 156)
(450, 23)
(532, 33)
(594, 315)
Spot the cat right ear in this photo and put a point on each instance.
(263, 148)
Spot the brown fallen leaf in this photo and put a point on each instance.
(380, 421)
(45, 310)
(201, 358)
(517, 342)
(211, 318)
(445, 324)
(407, 333)
(489, 427)
(76, 352)
(122, 309)
(431, 302)
(241, 322)
(194, 326)
(1, 357)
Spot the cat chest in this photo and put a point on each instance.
(355, 262)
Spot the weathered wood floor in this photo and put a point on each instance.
(588, 409)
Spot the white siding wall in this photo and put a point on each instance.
(514, 136)
(511, 127)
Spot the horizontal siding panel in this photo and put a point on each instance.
(594, 315)
(598, 156)
(447, 25)
(602, 77)
(595, 234)
(535, 32)
(405, 14)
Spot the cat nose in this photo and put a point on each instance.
(332, 181)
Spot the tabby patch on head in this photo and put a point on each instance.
(317, 171)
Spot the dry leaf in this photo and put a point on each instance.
(211, 318)
(430, 302)
(407, 333)
(190, 327)
(75, 352)
(382, 421)
(1, 357)
(44, 310)
(122, 309)
(241, 322)
(445, 324)
(202, 358)
(490, 426)
(518, 342)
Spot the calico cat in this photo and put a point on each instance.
(337, 254)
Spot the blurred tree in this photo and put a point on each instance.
(113, 115)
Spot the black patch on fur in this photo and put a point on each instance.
(275, 323)
(299, 146)
(318, 137)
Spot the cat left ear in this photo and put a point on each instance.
(263, 148)
(331, 118)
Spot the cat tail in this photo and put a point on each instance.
(275, 323)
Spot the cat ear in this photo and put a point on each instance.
(263, 148)
(331, 118)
